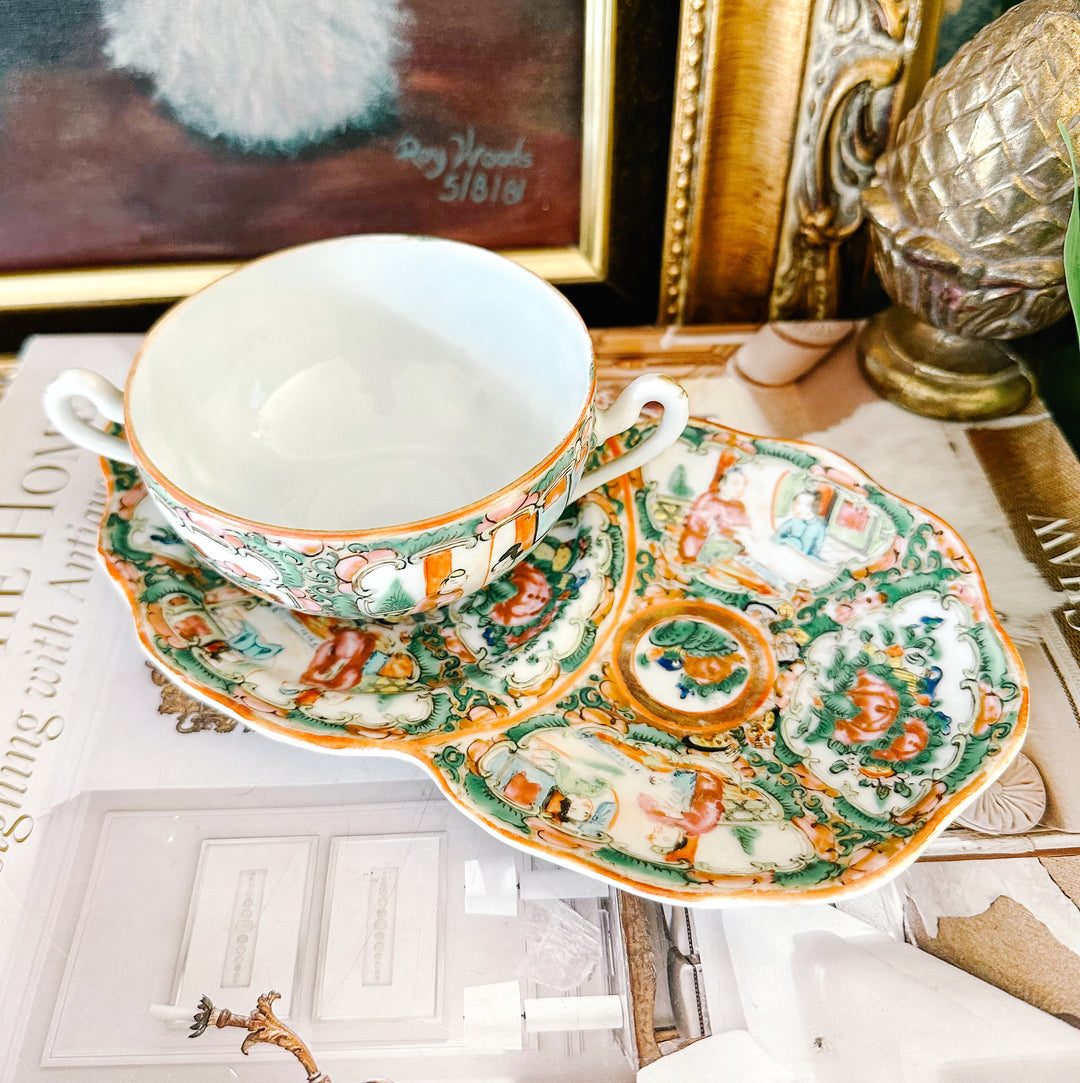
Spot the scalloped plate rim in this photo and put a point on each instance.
(988, 772)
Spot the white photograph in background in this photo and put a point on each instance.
(379, 957)
(246, 919)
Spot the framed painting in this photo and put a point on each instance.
(780, 113)
(147, 148)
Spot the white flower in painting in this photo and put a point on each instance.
(264, 74)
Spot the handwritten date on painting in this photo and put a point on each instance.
(468, 170)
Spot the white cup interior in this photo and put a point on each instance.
(360, 383)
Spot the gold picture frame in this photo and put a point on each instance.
(587, 263)
(780, 111)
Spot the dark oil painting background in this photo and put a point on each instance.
(98, 166)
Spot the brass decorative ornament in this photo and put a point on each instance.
(262, 1026)
(193, 716)
(968, 212)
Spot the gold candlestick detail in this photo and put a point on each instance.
(262, 1027)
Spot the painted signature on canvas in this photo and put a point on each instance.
(467, 170)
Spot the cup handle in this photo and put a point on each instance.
(59, 407)
(623, 412)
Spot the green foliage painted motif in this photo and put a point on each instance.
(486, 801)
(678, 485)
(877, 826)
(902, 519)
(745, 836)
(736, 599)
(809, 875)
(694, 637)
(652, 871)
(396, 600)
(438, 718)
(694, 436)
(783, 787)
(643, 732)
(648, 527)
(577, 658)
(450, 760)
(797, 456)
(523, 729)
(556, 470)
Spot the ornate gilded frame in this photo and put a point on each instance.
(780, 111)
(589, 263)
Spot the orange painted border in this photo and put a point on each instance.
(707, 723)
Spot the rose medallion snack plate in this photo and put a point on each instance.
(744, 674)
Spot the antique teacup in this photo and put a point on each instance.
(368, 426)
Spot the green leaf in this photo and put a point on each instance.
(902, 519)
(971, 760)
(725, 597)
(794, 455)
(993, 662)
(839, 705)
(841, 673)
(824, 725)
(428, 665)
(917, 583)
(395, 600)
(783, 751)
(879, 825)
(652, 870)
(191, 665)
(409, 546)
(486, 801)
(694, 637)
(1072, 234)
(732, 680)
(157, 587)
(439, 716)
(744, 836)
(571, 663)
(810, 874)
(694, 435)
(678, 483)
(783, 793)
(560, 466)
(819, 624)
(642, 731)
(641, 498)
(500, 590)
(539, 722)
(618, 554)
(450, 760)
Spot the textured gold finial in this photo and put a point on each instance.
(968, 211)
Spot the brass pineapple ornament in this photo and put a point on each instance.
(968, 212)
